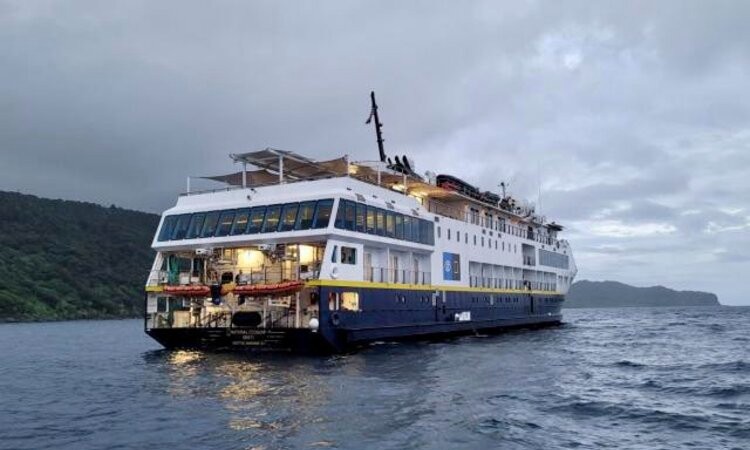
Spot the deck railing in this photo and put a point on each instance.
(400, 276)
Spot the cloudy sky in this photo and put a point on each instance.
(632, 117)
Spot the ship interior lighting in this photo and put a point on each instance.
(247, 258)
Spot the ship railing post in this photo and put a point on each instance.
(244, 174)
(188, 185)
(281, 169)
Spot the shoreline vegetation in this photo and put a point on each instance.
(69, 260)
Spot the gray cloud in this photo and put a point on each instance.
(630, 116)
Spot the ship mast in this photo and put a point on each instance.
(378, 125)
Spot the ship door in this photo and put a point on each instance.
(438, 305)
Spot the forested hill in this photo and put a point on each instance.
(599, 294)
(68, 260)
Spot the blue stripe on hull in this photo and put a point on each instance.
(396, 314)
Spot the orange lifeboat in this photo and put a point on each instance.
(193, 290)
(276, 289)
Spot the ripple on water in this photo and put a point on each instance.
(635, 378)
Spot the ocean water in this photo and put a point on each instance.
(608, 378)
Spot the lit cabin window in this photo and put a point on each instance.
(271, 222)
(305, 216)
(350, 301)
(370, 224)
(390, 224)
(240, 222)
(360, 218)
(288, 217)
(380, 218)
(256, 220)
(225, 223)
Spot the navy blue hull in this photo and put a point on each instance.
(381, 314)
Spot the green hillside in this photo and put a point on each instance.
(71, 260)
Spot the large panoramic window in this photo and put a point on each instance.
(196, 225)
(271, 222)
(167, 227)
(240, 222)
(322, 213)
(305, 216)
(225, 223)
(256, 220)
(260, 219)
(288, 217)
(371, 220)
(181, 228)
(209, 226)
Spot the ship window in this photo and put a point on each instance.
(415, 234)
(334, 252)
(323, 213)
(399, 226)
(458, 236)
(350, 301)
(288, 217)
(240, 222)
(167, 227)
(360, 220)
(370, 224)
(449, 233)
(475, 239)
(181, 227)
(482, 241)
(380, 219)
(209, 226)
(390, 224)
(305, 216)
(349, 217)
(225, 223)
(271, 221)
(256, 219)
(196, 225)
(348, 255)
(427, 232)
(407, 228)
(340, 214)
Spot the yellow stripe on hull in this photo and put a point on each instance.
(422, 287)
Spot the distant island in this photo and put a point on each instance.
(65, 260)
(609, 294)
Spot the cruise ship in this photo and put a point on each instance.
(301, 255)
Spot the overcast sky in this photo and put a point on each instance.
(633, 116)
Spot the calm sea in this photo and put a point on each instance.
(608, 378)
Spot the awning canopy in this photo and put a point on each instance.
(280, 165)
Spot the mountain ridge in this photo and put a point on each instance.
(603, 294)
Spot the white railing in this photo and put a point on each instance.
(400, 276)
(506, 283)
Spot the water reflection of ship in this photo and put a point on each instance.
(295, 398)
